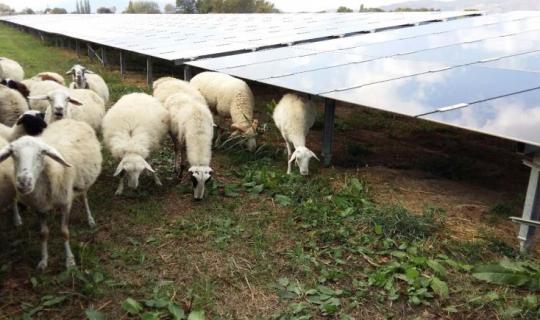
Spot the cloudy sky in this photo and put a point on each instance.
(284, 5)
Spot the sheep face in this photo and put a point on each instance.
(133, 165)
(28, 155)
(200, 176)
(78, 75)
(248, 131)
(301, 156)
(33, 122)
(58, 100)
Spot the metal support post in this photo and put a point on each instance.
(149, 75)
(187, 72)
(78, 48)
(122, 64)
(328, 136)
(531, 210)
(90, 55)
(104, 56)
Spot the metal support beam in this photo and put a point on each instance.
(122, 65)
(90, 55)
(187, 72)
(328, 137)
(104, 56)
(531, 209)
(78, 48)
(149, 70)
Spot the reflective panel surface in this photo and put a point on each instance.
(428, 92)
(524, 62)
(516, 117)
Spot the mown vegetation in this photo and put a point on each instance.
(264, 245)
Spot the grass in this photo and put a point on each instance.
(264, 245)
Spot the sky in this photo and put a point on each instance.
(284, 5)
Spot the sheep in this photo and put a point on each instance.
(31, 123)
(7, 187)
(10, 69)
(132, 129)
(12, 105)
(86, 79)
(229, 96)
(50, 171)
(79, 104)
(18, 86)
(192, 126)
(44, 76)
(294, 116)
(40, 88)
(167, 86)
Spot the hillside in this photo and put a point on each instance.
(486, 5)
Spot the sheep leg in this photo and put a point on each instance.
(289, 153)
(89, 217)
(17, 221)
(156, 179)
(44, 235)
(120, 188)
(177, 158)
(70, 259)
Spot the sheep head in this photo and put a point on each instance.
(78, 75)
(247, 130)
(301, 156)
(58, 100)
(28, 155)
(15, 85)
(200, 176)
(33, 122)
(133, 165)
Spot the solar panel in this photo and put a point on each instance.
(426, 93)
(184, 37)
(515, 117)
(524, 62)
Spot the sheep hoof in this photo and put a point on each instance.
(70, 262)
(118, 192)
(18, 222)
(42, 265)
(91, 223)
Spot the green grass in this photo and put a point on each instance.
(264, 245)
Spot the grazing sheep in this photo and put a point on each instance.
(40, 88)
(229, 96)
(44, 76)
(192, 126)
(52, 170)
(12, 105)
(132, 129)
(79, 104)
(294, 116)
(168, 86)
(7, 187)
(10, 69)
(30, 123)
(86, 79)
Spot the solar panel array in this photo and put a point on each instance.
(187, 37)
(481, 73)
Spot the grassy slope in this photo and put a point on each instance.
(263, 245)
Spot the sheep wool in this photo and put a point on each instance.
(7, 180)
(12, 105)
(10, 69)
(168, 86)
(95, 83)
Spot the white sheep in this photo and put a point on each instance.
(30, 123)
(229, 96)
(192, 126)
(12, 105)
(44, 76)
(167, 86)
(10, 69)
(132, 129)
(52, 170)
(294, 116)
(86, 79)
(7, 187)
(40, 88)
(79, 104)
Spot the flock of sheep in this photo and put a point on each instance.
(50, 152)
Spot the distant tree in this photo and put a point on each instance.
(5, 9)
(58, 11)
(235, 6)
(169, 8)
(365, 9)
(405, 9)
(103, 10)
(186, 6)
(344, 9)
(142, 7)
(27, 11)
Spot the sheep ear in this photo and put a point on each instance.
(119, 169)
(5, 153)
(314, 155)
(89, 71)
(255, 124)
(42, 97)
(55, 155)
(237, 127)
(148, 167)
(70, 71)
(75, 101)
